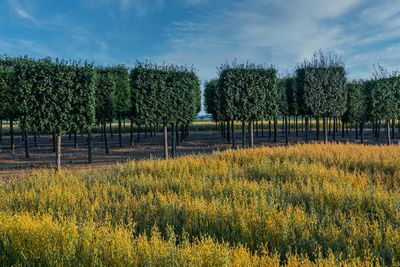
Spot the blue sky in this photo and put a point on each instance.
(204, 33)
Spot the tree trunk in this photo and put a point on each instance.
(296, 126)
(111, 131)
(105, 138)
(393, 127)
(251, 134)
(124, 125)
(138, 134)
(243, 134)
(182, 132)
(26, 144)
(1, 131)
(177, 135)
(35, 140)
(54, 142)
(356, 130)
(75, 140)
(233, 134)
(145, 132)
(362, 132)
(269, 130)
(286, 131)
(334, 129)
(343, 129)
(165, 142)
(257, 128)
(389, 141)
(228, 131)
(262, 127)
(378, 131)
(58, 152)
(306, 130)
(131, 134)
(173, 140)
(329, 126)
(120, 130)
(275, 129)
(317, 127)
(325, 126)
(12, 145)
(90, 147)
(283, 124)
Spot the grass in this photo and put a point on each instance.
(300, 205)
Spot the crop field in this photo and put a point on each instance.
(299, 205)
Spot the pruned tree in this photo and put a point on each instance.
(105, 88)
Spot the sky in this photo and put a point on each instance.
(205, 33)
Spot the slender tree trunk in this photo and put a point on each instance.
(317, 127)
(177, 135)
(58, 152)
(124, 125)
(173, 140)
(26, 144)
(362, 132)
(243, 134)
(334, 129)
(356, 130)
(283, 124)
(120, 130)
(35, 140)
(325, 126)
(256, 128)
(233, 134)
(389, 141)
(90, 147)
(12, 145)
(75, 140)
(182, 132)
(302, 123)
(145, 132)
(275, 129)
(347, 128)
(296, 126)
(111, 131)
(138, 134)
(105, 137)
(393, 127)
(286, 131)
(165, 142)
(378, 132)
(131, 134)
(228, 131)
(223, 130)
(1, 131)
(54, 142)
(251, 134)
(329, 126)
(306, 130)
(269, 130)
(262, 127)
(343, 129)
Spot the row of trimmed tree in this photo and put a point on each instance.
(59, 97)
(319, 90)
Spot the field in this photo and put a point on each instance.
(299, 205)
(203, 138)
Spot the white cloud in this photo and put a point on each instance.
(21, 12)
(285, 32)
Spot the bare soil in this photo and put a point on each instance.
(198, 142)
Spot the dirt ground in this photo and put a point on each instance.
(198, 142)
